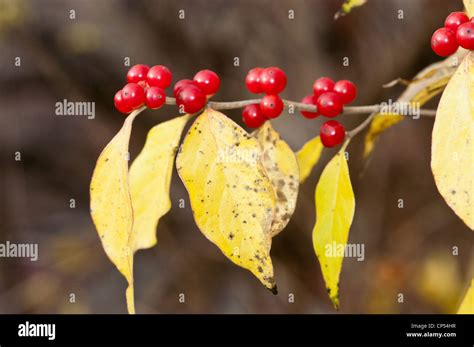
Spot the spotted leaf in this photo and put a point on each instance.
(282, 169)
(231, 196)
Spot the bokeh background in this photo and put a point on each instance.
(407, 250)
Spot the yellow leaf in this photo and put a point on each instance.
(427, 84)
(438, 268)
(111, 205)
(150, 177)
(469, 6)
(231, 195)
(335, 205)
(126, 207)
(452, 147)
(308, 156)
(467, 305)
(348, 6)
(282, 168)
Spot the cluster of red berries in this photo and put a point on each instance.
(192, 95)
(329, 97)
(458, 31)
(271, 81)
(146, 86)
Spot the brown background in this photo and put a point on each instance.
(407, 250)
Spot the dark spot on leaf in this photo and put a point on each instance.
(281, 196)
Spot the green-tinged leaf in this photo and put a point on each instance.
(282, 169)
(111, 205)
(467, 305)
(427, 84)
(150, 178)
(308, 157)
(231, 196)
(452, 147)
(335, 206)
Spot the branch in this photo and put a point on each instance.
(230, 105)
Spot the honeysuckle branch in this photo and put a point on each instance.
(230, 105)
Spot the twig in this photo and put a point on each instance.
(229, 105)
(350, 134)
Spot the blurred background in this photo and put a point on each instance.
(407, 250)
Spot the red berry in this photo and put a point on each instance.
(332, 133)
(310, 100)
(120, 104)
(191, 98)
(207, 81)
(443, 42)
(322, 85)
(465, 35)
(455, 19)
(159, 76)
(155, 97)
(180, 84)
(252, 116)
(252, 81)
(133, 95)
(272, 80)
(329, 104)
(271, 106)
(137, 73)
(347, 90)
